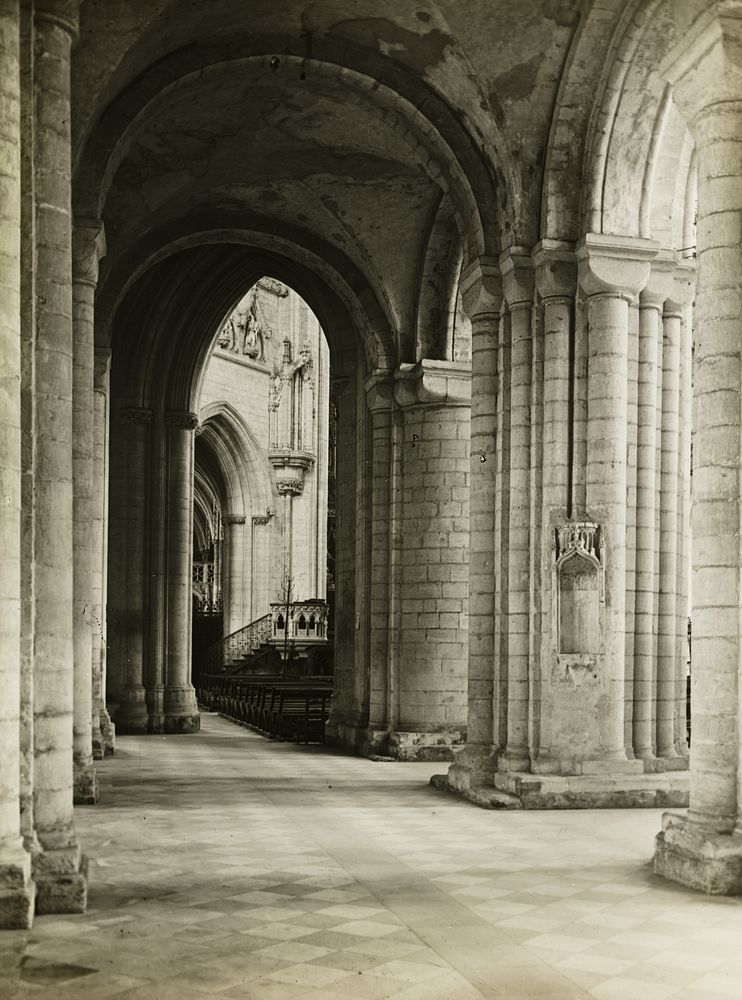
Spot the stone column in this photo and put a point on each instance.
(612, 271)
(181, 710)
(668, 494)
(104, 736)
(556, 281)
(87, 248)
(481, 295)
(704, 849)
(379, 395)
(650, 312)
(234, 606)
(16, 887)
(128, 570)
(59, 869)
(518, 280)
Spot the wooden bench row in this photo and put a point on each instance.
(278, 707)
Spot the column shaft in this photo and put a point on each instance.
(644, 662)
(16, 888)
(103, 735)
(608, 317)
(181, 711)
(84, 279)
(667, 610)
(235, 576)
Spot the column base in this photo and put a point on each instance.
(181, 710)
(17, 889)
(61, 877)
(156, 722)
(380, 743)
(108, 732)
(131, 712)
(597, 790)
(471, 777)
(99, 750)
(698, 857)
(84, 785)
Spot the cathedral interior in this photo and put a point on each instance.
(369, 377)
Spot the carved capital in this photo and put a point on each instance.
(615, 265)
(555, 263)
(88, 249)
(683, 288)
(232, 519)
(433, 382)
(290, 487)
(518, 280)
(260, 519)
(480, 288)
(136, 415)
(184, 420)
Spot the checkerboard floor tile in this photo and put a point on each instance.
(226, 866)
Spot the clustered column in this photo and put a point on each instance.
(234, 602)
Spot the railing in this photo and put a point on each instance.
(231, 649)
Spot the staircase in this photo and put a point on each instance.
(244, 647)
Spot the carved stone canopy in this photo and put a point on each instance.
(578, 538)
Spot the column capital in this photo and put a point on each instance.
(63, 13)
(379, 388)
(614, 265)
(433, 382)
(555, 262)
(516, 267)
(261, 519)
(290, 487)
(136, 415)
(480, 288)
(659, 283)
(88, 249)
(234, 519)
(682, 290)
(102, 368)
(183, 420)
(705, 67)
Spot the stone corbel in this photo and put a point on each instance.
(683, 289)
(136, 415)
(182, 420)
(433, 382)
(615, 265)
(480, 288)
(102, 368)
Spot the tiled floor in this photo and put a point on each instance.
(226, 866)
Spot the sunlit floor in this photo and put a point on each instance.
(224, 865)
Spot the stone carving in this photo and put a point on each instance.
(183, 420)
(579, 589)
(246, 330)
(259, 519)
(235, 518)
(136, 415)
(290, 487)
(273, 286)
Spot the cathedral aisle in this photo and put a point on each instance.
(223, 865)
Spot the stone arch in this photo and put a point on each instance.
(436, 303)
(247, 480)
(420, 117)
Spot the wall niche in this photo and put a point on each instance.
(579, 590)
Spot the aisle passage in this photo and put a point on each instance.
(224, 865)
